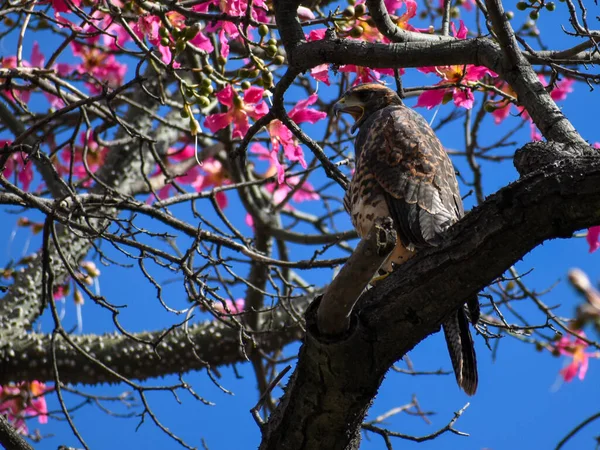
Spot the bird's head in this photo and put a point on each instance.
(363, 100)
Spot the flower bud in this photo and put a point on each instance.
(263, 30)
(490, 107)
(180, 46)
(203, 101)
(78, 297)
(191, 32)
(271, 50)
(357, 31)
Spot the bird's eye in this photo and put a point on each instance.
(362, 95)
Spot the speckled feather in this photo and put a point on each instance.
(402, 171)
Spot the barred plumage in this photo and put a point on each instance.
(403, 172)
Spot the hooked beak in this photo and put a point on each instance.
(355, 110)
(339, 107)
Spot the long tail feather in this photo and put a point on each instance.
(461, 350)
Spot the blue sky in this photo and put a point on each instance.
(520, 402)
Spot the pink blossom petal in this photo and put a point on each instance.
(411, 10)
(300, 113)
(569, 372)
(63, 69)
(316, 35)
(393, 5)
(321, 73)
(464, 98)
(202, 42)
(294, 152)
(431, 98)
(260, 110)
(583, 368)
(535, 134)
(501, 113)
(221, 199)
(249, 220)
(225, 96)
(216, 122)
(224, 44)
(241, 125)
(253, 94)
(304, 13)
(592, 237)
(37, 58)
(478, 72)
(462, 30)
(563, 88)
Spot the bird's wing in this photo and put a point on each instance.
(408, 161)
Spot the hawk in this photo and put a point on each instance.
(403, 172)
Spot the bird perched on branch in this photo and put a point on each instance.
(403, 172)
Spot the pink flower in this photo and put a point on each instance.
(454, 75)
(316, 35)
(503, 107)
(281, 136)
(38, 60)
(214, 175)
(100, 65)
(148, 26)
(18, 163)
(210, 174)
(574, 348)
(562, 88)
(467, 4)
(365, 74)
(304, 193)
(230, 307)
(321, 73)
(238, 110)
(592, 237)
(62, 5)
(60, 291)
(94, 153)
(23, 400)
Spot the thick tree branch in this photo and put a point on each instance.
(9, 438)
(333, 316)
(203, 345)
(517, 72)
